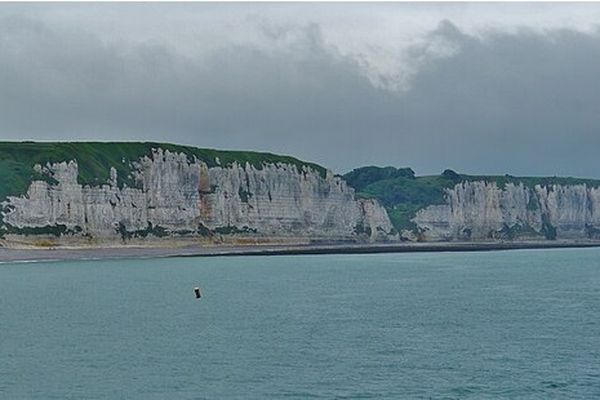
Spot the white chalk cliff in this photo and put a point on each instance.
(482, 210)
(175, 196)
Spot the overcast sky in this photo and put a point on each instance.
(479, 88)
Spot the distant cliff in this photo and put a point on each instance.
(452, 206)
(482, 210)
(118, 193)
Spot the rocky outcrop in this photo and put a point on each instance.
(481, 210)
(174, 195)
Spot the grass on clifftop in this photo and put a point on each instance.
(95, 159)
(403, 194)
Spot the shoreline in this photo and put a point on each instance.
(8, 255)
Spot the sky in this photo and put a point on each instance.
(481, 88)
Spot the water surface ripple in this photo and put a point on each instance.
(494, 325)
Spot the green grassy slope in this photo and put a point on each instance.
(403, 194)
(95, 159)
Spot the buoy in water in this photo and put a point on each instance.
(197, 292)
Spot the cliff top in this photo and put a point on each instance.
(95, 159)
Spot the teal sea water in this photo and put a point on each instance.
(512, 325)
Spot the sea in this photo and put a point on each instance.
(521, 324)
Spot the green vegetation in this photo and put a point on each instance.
(360, 230)
(150, 230)
(203, 230)
(244, 195)
(519, 230)
(531, 181)
(95, 159)
(49, 230)
(533, 203)
(403, 194)
(399, 191)
(362, 177)
(547, 229)
(157, 231)
(592, 232)
(232, 230)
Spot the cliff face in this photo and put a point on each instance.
(174, 195)
(482, 210)
(144, 193)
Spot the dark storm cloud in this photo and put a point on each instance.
(522, 103)
(303, 98)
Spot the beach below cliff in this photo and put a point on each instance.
(129, 252)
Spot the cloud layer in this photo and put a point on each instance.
(496, 100)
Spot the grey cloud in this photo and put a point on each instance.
(296, 100)
(528, 102)
(522, 103)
